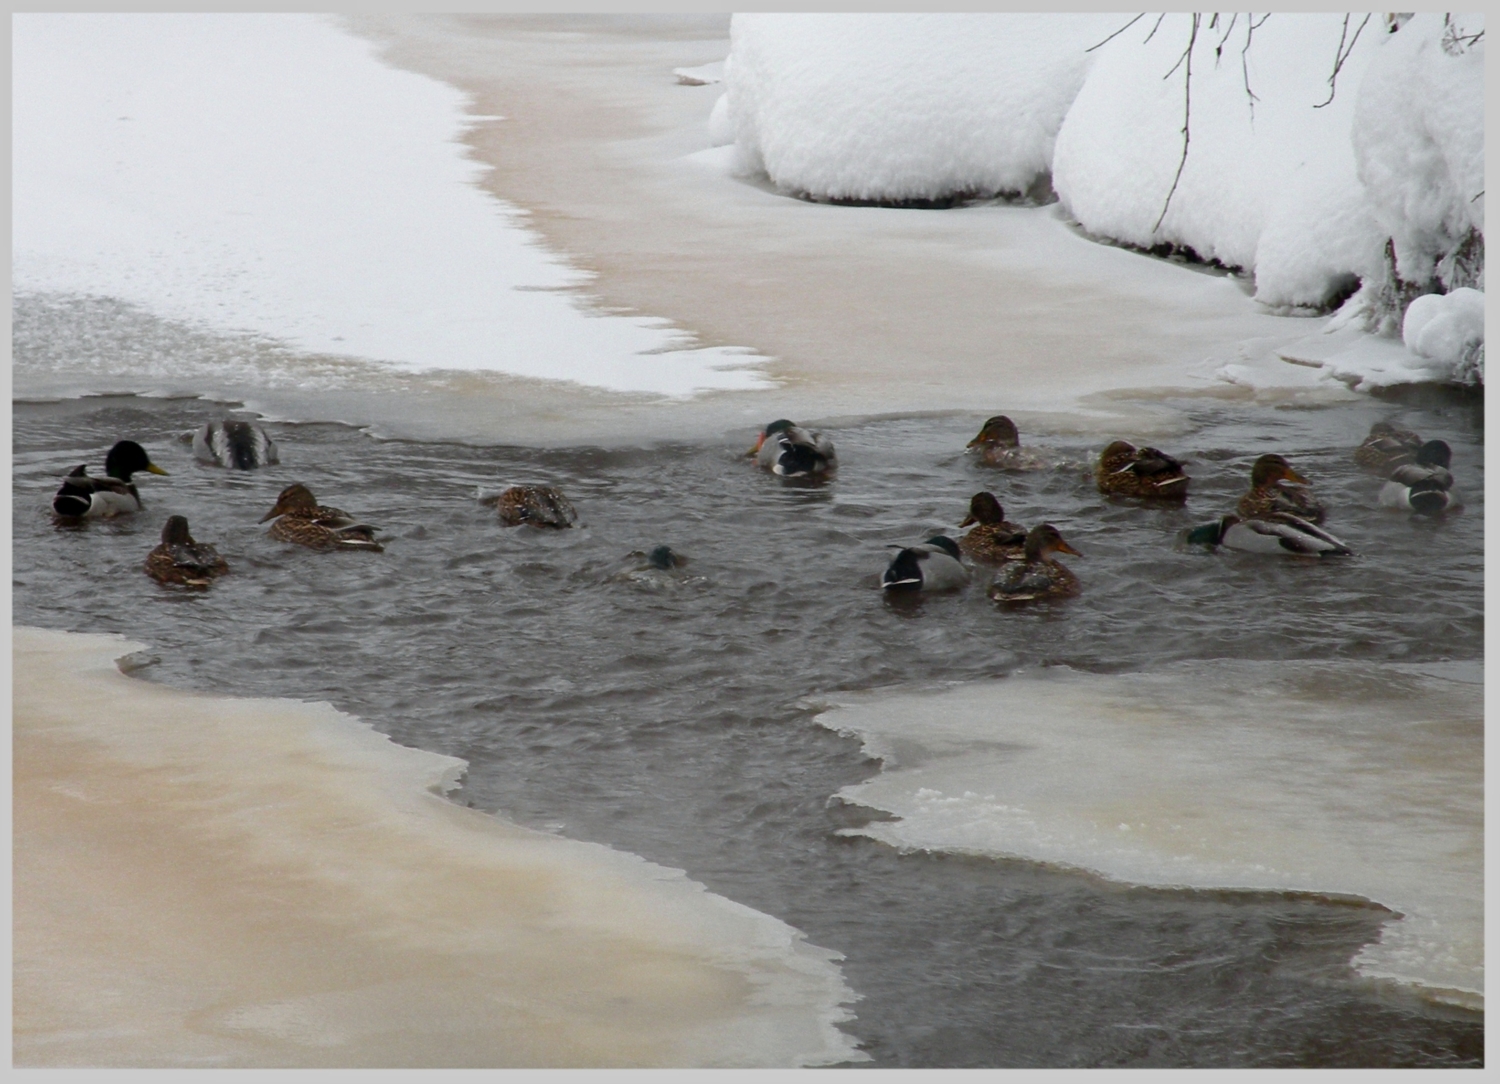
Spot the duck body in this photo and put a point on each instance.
(1269, 495)
(788, 450)
(1387, 447)
(1127, 471)
(301, 520)
(538, 506)
(1280, 533)
(1425, 485)
(933, 565)
(999, 445)
(1038, 576)
(238, 445)
(180, 560)
(993, 540)
(83, 497)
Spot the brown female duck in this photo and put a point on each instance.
(1387, 447)
(539, 506)
(1269, 493)
(1127, 471)
(993, 540)
(999, 445)
(307, 523)
(1039, 576)
(180, 560)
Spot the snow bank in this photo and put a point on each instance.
(901, 107)
(1447, 329)
(1314, 183)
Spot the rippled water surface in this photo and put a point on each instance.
(670, 714)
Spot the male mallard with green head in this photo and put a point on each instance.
(1387, 447)
(787, 449)
(1279, 533)
(1127, 471)
(1276, 487)
(994, 540)
(180, 560)
(83, 497)
(1425, 485)
(999, 445)
(235, 444)
(933, 565)
(1040, 575)
(301, 519)
(538, 506)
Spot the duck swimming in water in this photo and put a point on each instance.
(538, 506)
(1387, 447)
(302, 520)
(999, 445)
(81, 496)
(1278, 533)
(180, 560)
(1040, 575)
(1127, 471)
(1268, 495)
(994, 540)
(1425, 485)
(787, 449)
(933, 565)
(239, 445)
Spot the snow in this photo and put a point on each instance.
(267, 173)
(1296, 177)
(1445, 328)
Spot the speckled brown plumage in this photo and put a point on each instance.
(301, 520)
(999, 445)
(994, 540)
(1127, 471)
(1386, 448)
(180, 560)
(1277, 489)
(539, 506)
(1039, 576)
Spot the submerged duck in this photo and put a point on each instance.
(933, 565)
(999, 445)
(787, 449)
(115, 495)
(1425, 485)
(993, 540)
(1268, 496)
(1278, 533)
(182, 561)
(664, 558)
(1127, 471)
(1039, 576)
(539, 506)
(240, 445)
(307, 523)
(1387, 447)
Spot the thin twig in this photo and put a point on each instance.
(1251, 26)
(1342, 55)
(1187, 112)
(1155, 28)
(1117, 33)
(1219, 49)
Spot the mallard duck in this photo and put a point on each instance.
(787, 449)
(182, 561)
(1425, 485)
(1279, 533)
(1387, 447)
(993, 540)
(1268, 496)
(114, 495)
(234, 444)
(1000, 446)
(307, 523)
(539, 506)
(663, 558)
(1040, 575)
(1127, 471)
(933, 565)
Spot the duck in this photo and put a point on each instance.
(239, 445)
(538, 506)
(180, 560)
(999, 445)
(1268, 496)
(1387, 447)
(787, 449)
(1039, 575)
(1279, 533)
(1425, 485)
(301, 519)
(933, 565)
(81, 496)
(664, 558)
(993, 540)
(1127, 471)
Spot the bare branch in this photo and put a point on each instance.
(1219, 49)
(1155, 28)
(1251, 26)
(1342, 55)
(1187, 111)
(1117, 33)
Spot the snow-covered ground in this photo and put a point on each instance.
(1312, 142)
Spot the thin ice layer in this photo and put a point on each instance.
(1340, 778)
(205, 881)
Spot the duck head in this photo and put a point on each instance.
(1435, 453)
(292, 498)
(126, 458)
(1000, 431)
(175, 532)
(1043, 540)
(984, 508)
(780, 425)
(1271, 468)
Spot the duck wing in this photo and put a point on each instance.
(1284, 533)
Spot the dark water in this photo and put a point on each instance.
(669, 714)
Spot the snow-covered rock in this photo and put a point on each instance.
(1448, 329)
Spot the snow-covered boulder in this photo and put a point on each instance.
(1448, 329)
(904, 107)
